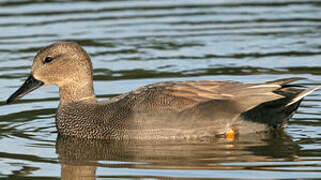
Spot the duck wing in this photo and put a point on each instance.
(204, 108)
(178, 96)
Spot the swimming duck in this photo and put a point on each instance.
(187, 109)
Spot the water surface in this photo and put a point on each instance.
(134, 43)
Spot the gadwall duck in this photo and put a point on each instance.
(188, 109)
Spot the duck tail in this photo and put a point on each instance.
(301, 95)
(286, 81)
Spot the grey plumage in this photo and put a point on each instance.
(188, 109)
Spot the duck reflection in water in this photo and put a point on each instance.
(152, 124)
(79, 158)
(168, 125)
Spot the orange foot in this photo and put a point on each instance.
(230, 134)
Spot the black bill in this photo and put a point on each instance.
(29, 85)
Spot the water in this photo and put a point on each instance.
(134, 43)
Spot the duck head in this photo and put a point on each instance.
(62, 64)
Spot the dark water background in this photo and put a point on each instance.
(134, 43)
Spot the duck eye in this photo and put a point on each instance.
(48, 59)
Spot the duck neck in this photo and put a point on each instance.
(76, 92)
